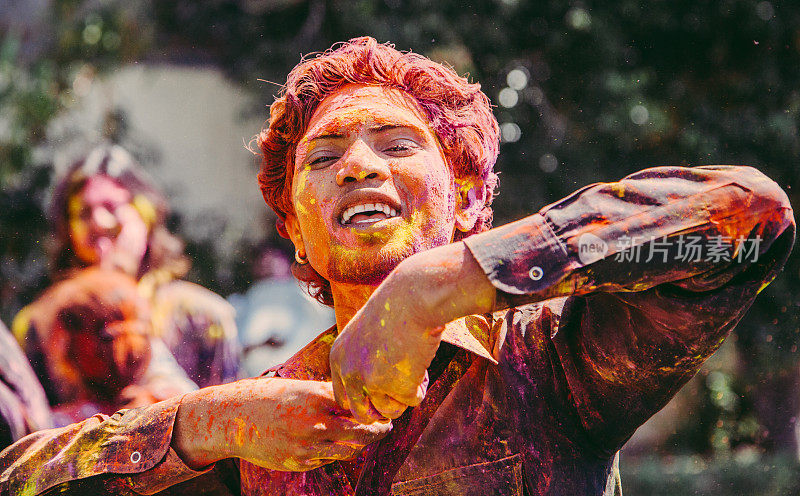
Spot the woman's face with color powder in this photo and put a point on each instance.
(104, 225)
(371, 185)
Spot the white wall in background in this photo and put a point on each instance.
(198, 123)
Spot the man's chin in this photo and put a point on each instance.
(367, 266)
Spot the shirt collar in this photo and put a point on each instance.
(472, 333)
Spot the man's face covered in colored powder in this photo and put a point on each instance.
(371, 185)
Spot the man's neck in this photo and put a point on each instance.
(348, 299)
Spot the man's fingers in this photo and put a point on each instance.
(367, 413)
(422, 390)
(412, 394)
(360, 406)
(346, 437)
(308, 464)
(335, 450)
(369, 406)
(329, 451)
(358, 437)
(387, 406)
(339, 393)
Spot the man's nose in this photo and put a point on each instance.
(361, 163)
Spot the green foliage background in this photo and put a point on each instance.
(708, 81)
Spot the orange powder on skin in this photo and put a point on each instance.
(240, 431)
(424, 183)
(79, 230)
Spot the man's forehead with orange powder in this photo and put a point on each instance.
(342, 114)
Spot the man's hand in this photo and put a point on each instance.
(379, 360)
(280, 424)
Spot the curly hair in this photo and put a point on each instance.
(458, 111)
(164, 250)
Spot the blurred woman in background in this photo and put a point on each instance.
(105, 212)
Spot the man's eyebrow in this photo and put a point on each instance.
(326, 135)
(378, 127)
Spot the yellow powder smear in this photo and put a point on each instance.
(404, 366)
(240, 428)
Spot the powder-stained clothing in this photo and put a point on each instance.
(535, 399)
(199, 329)
(23, 405)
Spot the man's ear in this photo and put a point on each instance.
(293, 230)
(470, 200)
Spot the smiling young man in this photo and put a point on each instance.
(530, 352)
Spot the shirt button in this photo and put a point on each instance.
(136, 457)
(536, 273)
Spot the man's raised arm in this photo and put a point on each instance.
(658, 268)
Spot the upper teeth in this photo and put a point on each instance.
(367, 207)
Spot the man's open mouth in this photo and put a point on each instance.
(367, 213)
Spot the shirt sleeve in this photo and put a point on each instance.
(126, 453)
(658, 268)
(23, 405)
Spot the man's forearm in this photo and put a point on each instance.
(276, 423)
(441, 285)
(198, 446)
(568, 249)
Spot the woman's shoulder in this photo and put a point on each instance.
(188, 293)
(187, 304)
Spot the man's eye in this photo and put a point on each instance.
(322, 160)
(400, 147)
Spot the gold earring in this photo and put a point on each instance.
(301, 259)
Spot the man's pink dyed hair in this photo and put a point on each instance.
(457, 110)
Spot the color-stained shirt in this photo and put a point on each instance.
(199, 329)
(608, 302)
